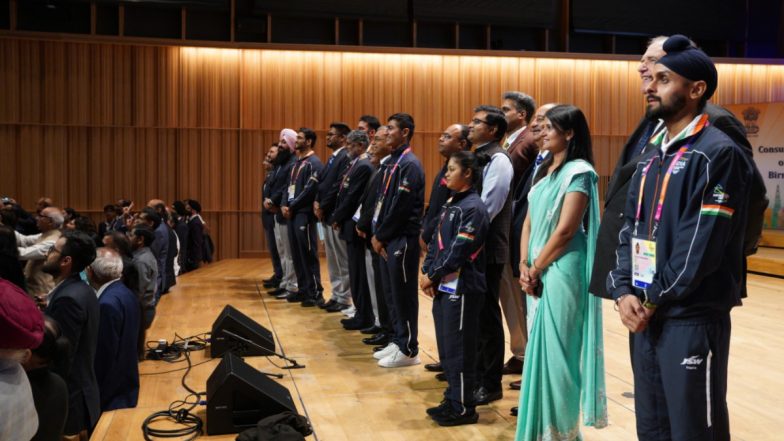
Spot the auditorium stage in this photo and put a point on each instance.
(348, 397)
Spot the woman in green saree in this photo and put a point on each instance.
(564, 360)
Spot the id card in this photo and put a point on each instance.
(449, 283)
(643, 262)
(292, 189)
(377, 212)
(355, 217)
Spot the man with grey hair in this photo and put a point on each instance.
(351, 186)
(116, 362)
(33, 249)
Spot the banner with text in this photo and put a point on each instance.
(765, 129)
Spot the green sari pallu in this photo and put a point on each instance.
(564, 358)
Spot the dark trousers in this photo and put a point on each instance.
(268, 222)
(400, 276)
(457, 323)
(304, 250)
(360, 293)
(384, 315)
(490, 361)
(680, 380)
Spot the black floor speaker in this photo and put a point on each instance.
(236, 332)
(238, 396)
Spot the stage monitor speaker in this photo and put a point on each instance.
(242, 326)
(238, 396)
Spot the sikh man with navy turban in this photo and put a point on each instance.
(680, 261)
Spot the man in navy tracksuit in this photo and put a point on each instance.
(679, 265)
(298, 208)
(396, 229)
(454, 251)
(351, 186)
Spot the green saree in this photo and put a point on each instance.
(564, 358)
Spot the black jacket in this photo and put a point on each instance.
(350, 196)
(329, 181)
(304, 177)
(618, 189)
(368, 200)
(401, 208)
(439, 194)
(699, 241)
(279, 186)
(74, 306)
(463, 225)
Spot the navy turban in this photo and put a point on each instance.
(690, 62)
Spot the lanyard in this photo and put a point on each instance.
(392, 172)
(345, 176)
(293, 178)
(665, 185)
(441, 241)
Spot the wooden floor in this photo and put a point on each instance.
(348, 397)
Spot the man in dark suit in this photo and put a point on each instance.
(636, 146)
(518, 109)
(268, 217)
(75, 307)
(195, 235)
(116, 363)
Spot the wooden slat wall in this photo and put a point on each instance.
(87, 123)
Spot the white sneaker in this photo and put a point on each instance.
(398, 359)
(391, 347)
(350, 311)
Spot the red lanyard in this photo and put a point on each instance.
(345, 176)
(702, 123)
(392, 172)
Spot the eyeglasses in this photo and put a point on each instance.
(477, 121)
(54, 250)
(446, 136)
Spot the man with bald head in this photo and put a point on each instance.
(34, 248)
(116, 363)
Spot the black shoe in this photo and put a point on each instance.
(328, 304)
(276, 292)
(271, 279)
(442, 406)
(450, 417)
(347, 320)
(434, 367)
(284, 295)
(371, 330)
(272, 282)
(378, 339)
(378, 348)
(313, 301)
(513, 366)
(483, 396)
(513, 412)
(295, 297)
(336, 307)
(441, 376)
(354, 326)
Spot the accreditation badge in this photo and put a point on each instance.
(355, 217)
(448, 283)
(292, 189)
(377, 212)
(643, 262)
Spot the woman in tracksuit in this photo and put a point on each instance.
(454, 276)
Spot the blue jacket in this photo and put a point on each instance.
(463, 226)
(329, 181)
(349, 196)
(116, 362)
(304, 177)
(278, 186)
(401, 210)
(439, 193)
(699, 240)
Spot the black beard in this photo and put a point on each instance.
(666, 111)
(52, 268)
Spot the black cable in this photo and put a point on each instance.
(179, 369)
(179, 411)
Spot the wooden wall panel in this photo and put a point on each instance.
(88, 123)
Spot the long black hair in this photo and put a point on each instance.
(564, 118)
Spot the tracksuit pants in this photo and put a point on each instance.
(360, 292)
(680, 380)
(304, 247)
(400, 272)
(289, 280)
(457, 323)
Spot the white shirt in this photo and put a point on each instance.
(335, 153)
(513, 137)
(667, 141)
(104, 286)
(32, 247)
